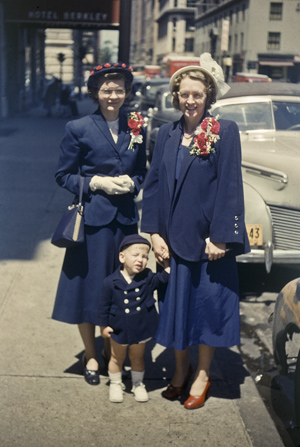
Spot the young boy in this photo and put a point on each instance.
(128, 315)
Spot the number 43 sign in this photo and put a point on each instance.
(255, 235)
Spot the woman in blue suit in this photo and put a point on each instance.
(193, 208)
(111, 157)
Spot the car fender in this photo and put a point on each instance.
(257, 212)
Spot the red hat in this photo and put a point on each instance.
(101, 70)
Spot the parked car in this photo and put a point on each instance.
(147, 94)
(268, 116)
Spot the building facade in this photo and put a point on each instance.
(242, 35)
(251, 36)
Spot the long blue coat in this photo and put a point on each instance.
(88, 149)
(206, 200)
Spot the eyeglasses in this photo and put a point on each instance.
(196, 96)
(108, 93)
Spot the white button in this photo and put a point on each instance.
(136, 290)
(138, 298)
(236, 226)
(125, 292)
(126, 301)
(138, 308)
(127, 311)
(236, 218)
(236, 232)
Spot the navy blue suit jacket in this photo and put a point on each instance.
(88, 149)
(207, 199)
(130, 308)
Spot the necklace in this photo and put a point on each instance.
(188, 135)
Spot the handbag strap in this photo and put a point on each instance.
(81, 185)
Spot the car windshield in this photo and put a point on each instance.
(259, 115)
(248, 116)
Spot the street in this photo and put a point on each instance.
(45, 401)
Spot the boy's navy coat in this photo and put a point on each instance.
(130, 308)
(88, 144)
(207, 199)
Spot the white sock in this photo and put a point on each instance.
(137, 376)
(115, 378)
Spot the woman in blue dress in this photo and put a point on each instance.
(107, 148)
(193, 207)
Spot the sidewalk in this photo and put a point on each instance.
(45, 401)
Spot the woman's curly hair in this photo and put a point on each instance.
(93, 92)
(198, 75)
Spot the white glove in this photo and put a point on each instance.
(110, 185)
(127, 182)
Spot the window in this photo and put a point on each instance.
(173, 44)
(189, 25)
(242, 41)
(235, 43)
(174, 24)
(276, 11)
(189, 45)
(274, 41)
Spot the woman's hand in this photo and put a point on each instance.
(127, 182)
(112, 185)
(106, 331)
(215, 250)
(160, 248)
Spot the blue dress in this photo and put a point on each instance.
(201, 304)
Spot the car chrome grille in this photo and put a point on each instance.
(286, 228)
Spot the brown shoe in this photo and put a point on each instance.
(194, 402)
(173, 392)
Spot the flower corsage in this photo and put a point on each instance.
(206, 135)
(136, 122)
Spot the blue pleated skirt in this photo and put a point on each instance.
(201, 305)
(84, 269)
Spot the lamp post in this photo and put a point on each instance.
(61, 58)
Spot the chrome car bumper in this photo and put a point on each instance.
(270, 256)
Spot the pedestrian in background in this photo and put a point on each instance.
(51, 95)
(128, 315)
(193, 207)
(101, 148)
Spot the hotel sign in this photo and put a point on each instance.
(64, 13)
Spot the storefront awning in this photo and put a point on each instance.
(277, 63)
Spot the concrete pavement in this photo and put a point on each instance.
(45, 401)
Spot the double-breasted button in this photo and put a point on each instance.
(236, 218)
(137, 289)
(126, 301)
(236, 232)
(138, 298)
(125, 292)
(236, 226)
(127, 311)
(138, 309)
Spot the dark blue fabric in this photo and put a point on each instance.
(129, 309)
(201, 305)
(84, 269)
(206, 200)
(88, 149)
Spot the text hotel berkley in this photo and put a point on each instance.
(54, 15)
